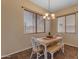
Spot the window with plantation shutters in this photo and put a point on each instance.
(70, 23)
(40, 24)
(29, 22)
(61, 24)
(67, 23)
(34, 23)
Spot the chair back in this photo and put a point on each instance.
(35, 44)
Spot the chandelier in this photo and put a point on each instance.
(50, 15)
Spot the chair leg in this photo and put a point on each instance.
(37, 56)
(52, 55)
(31, 54)
(63, 49)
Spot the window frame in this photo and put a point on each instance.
(65, 22)
(74, 25)
(64, 25)
(35, 23)
(25, 31)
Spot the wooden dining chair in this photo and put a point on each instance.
(54, 48)
(36, 48)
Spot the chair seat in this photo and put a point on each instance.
(54, 48)
(39, 49)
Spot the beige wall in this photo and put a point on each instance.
(13, 38)
(70, 39)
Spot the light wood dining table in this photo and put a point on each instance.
(46, 41)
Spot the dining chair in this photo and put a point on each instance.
(36, 48)
(54, 48)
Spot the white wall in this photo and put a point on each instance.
(70, 39)
(13, 38)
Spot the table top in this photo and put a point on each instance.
(45, 41)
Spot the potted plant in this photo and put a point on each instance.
(49, 35)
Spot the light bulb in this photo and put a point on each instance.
(53, 16)
(48, 18)
(44, 17)
(46, 14)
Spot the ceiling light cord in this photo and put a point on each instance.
(49, 16)
(49, 4)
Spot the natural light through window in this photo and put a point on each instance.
(66, 23)
(34, 23)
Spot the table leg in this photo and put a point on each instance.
(63, 46)
(45, 52)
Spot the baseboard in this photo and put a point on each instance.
(15, 52)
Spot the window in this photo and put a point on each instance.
(67, 23)
(47, 25)
(61, 24)
(29, 22)
(40, 24)
(70, 23)
(34, 23)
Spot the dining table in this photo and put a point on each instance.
(46, 41)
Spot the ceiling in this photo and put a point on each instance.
(55, 5)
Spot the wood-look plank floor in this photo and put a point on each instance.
(69, 53)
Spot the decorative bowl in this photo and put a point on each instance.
(49, 36)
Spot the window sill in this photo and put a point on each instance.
(34, 33)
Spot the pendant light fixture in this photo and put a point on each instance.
(50, 15)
